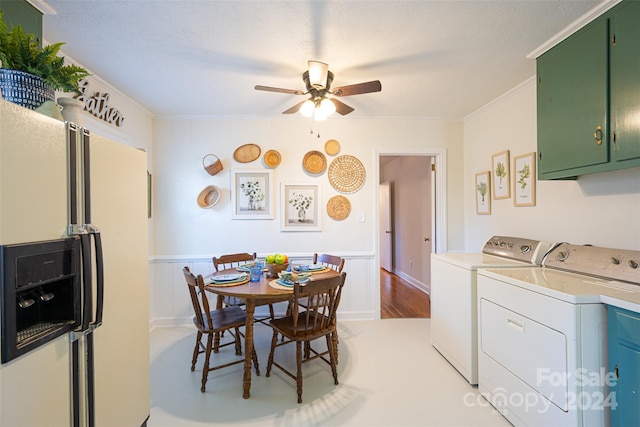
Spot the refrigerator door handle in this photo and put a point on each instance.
(87, 292)
(93, 230)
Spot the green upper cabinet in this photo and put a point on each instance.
(588, 98)
(625, 83)
(20, 12)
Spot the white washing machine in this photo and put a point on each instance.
(542, 356)
(454, 329)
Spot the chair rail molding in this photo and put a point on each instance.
(170, 306)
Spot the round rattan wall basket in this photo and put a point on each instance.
(314, 162)
(338, 208)
(209, 197)
(346, 174)
(272, 158)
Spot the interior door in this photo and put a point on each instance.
(386, 228)
(428, 223)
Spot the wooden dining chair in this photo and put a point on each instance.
(318, 320)
(211, 323)
(332, 261)
(224, 262)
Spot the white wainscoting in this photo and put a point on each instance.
(169, 303)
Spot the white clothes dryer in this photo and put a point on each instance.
(542, 338)
(454, 328)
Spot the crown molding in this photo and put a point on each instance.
(573, 27)
(43, 7)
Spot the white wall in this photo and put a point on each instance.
(600, 209)
(185, 234)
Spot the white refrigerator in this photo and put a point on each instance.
(98, 373)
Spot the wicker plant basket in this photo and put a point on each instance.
(212, 168)
(274, 269)
(209, 196)
(24, 89)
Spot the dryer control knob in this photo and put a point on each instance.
(633, 264)
(615, 261)
(525, 249)
(562, 255)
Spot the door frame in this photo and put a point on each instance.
(438, 202)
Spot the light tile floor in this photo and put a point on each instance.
(389, 375)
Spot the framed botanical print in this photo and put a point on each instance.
(483, 193)
(300, 207)
(500, 175)
(251, 194)
(524, 180)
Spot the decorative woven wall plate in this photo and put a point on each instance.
(272, 158)
(332, 147)
(209, 196)
(314, 162)
(338, 207)
(247, 153)
(346, 174)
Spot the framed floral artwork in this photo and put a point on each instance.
(524, 180)
(251, 194)
(300, 207)
(500, 175)
(483, 193)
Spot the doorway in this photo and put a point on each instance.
(411, 212)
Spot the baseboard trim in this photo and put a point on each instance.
(414, 282)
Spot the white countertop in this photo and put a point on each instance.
(570, 287)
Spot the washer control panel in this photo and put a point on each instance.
(607, 263)
(516, 248)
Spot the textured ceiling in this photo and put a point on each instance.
(441, 59)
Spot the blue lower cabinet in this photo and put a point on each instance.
(624, 363)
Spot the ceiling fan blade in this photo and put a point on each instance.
(294, 109)
(280, 90)
(341, 107)
(359, 88)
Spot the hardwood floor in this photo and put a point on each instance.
(399, 299)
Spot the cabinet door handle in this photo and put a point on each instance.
(515, 324)
(597, 135)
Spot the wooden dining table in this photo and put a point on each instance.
(255, 294)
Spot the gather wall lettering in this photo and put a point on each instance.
(98, 104)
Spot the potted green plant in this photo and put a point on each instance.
(30, 74)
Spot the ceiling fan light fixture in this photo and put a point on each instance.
(319, 116)
(318, 72)
(327, 107)
(307, 108)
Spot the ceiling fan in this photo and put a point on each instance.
(317, 80)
